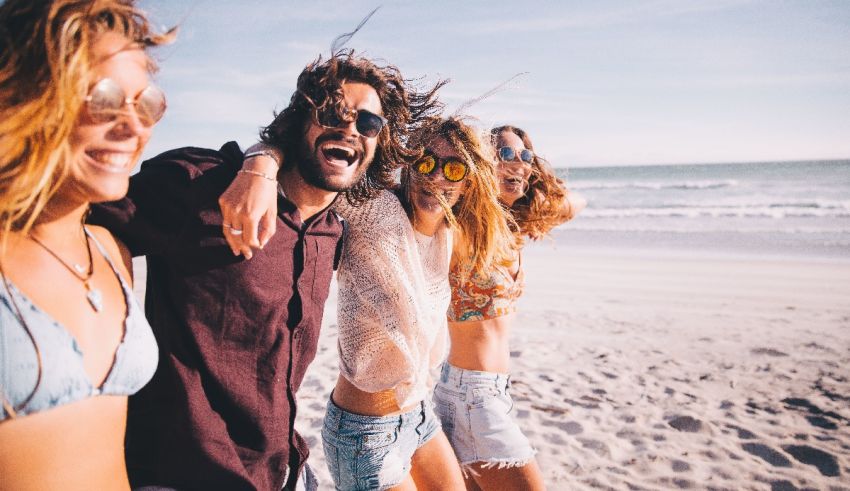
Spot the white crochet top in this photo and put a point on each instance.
(393, 296)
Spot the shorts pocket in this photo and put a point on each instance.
(442, 392)
(484, 396)
(382, 460)
(378, 439)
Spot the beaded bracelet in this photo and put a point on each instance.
(256, 173)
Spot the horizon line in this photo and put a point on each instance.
(789, 161)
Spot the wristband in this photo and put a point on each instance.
(268, 153)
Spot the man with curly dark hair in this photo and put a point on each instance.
(236, 336)
(331, 161)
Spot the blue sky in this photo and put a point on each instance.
(609, 83)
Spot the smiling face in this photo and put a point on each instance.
(425, 188)
(513, 176)
(104, 153)
(334, 159)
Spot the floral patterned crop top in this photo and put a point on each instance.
(483, 296)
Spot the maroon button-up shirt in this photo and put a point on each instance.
(235, 336)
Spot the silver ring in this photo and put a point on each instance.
(235, 231)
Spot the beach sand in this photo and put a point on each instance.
(651, 371)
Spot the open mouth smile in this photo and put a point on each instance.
(339, 155)
(112, 161)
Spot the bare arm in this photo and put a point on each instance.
(249, 204)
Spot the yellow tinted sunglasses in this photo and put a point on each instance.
(453, 169)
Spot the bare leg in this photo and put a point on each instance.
(435, 466)
(406, 485)
(525, 478)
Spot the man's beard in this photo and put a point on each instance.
(308, 166)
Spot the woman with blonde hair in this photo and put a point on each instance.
(472, 395)
(76, 110)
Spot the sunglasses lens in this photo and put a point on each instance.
(526, 156)
(454, 170)
(507, 154)
(151, 105)
(104, 101)
(328, 117)
(426, 165)
(368, 124)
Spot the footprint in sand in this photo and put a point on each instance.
(569, 427)
(597, 446)
(769, 455)
(817, 416)
(686, 424)
(680, 466)
(743, 434)
(768, 352)
(825, 462)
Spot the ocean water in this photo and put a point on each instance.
(770, 208)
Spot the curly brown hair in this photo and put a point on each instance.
(320, 87)
(538, 211)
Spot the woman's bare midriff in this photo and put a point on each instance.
(354, 400)
(481, 345)
(71, 447)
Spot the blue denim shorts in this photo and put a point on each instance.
(374, 452)
(474, 408)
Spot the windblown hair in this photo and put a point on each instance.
(46, 69)
(485, 236)
(319, 87)
(538, 211)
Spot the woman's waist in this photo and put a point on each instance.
(353, 400)
(52, 440)
(481, 345)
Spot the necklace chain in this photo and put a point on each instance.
(93, 295)
(75, 269)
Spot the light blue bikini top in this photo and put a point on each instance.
(63, 378)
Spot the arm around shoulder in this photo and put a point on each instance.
(249, 204)
(152, 214)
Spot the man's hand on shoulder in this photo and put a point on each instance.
(249, 204)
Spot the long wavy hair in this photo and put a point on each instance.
(319, 87)
(486, 237)
(538, 211)
(46, 69)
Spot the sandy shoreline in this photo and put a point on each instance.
(651, 372)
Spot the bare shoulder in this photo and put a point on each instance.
(117, 251)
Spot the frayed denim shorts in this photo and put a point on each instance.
(374, 452)
(474, 408)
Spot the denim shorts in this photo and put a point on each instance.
(374, 452)
(474, 408)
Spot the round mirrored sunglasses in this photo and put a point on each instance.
(107, 99)
(453, 169)
(508, 154)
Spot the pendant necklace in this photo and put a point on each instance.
(93, 295)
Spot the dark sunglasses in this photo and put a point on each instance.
(508, 154)
(453, 169)
(367, 123)
(107, 99)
